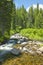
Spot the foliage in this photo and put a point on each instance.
(1, 36)
(35, 34)
(31, 19)
(12, 32)
(5, 18)
(12, 20)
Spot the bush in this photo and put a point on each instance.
(12, 32)
(4, 37)
(35, 34)
(1, 37)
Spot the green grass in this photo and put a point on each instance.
(35, 34)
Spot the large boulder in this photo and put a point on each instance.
(19, 37)
(16, 36)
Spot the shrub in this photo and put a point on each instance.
(12, 32)
(35, 34)
(1, 37)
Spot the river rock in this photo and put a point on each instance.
(41, 49)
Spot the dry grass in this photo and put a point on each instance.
(25, 59)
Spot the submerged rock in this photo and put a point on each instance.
(15, 51)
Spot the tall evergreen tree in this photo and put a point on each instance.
(5, 16)
(31, 17)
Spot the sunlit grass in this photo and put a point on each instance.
(25, 59)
